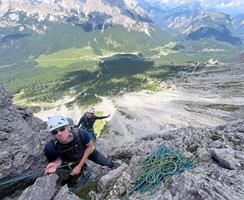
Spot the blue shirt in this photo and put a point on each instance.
(86, 135)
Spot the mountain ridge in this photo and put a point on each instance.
(113, 12)
(27, 24)
(190, 18)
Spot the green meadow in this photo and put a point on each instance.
(66, 57)
(89, 74)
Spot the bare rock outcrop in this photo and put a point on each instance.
(46, 188)
(21, 142)
(218, 173)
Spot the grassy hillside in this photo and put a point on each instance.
(89, 79)
(45, 67)
(66, 57)
(59, 36)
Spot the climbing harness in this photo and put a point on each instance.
(157, 167)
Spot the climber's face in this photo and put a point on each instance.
(62, 134)
(89, 114)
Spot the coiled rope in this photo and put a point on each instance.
(157, 167)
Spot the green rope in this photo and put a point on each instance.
(34, 174)
(21, 177)
(157, 167)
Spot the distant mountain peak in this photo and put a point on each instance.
(112, 11)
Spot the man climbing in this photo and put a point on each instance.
(87, 121)
(70, 145)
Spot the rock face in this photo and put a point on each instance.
(65, 194)
(106, 182)
(21, 137)
(46, 188)
(228, 158)
(218, 173)
(106, 13)
(219, 149)
(209, 184)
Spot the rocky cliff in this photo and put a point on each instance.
(218, 173)
(33, 14)
(22, 137)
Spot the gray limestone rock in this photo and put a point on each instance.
(204, 154)
(95, 196)
(47, 188)
(216, 144)
(106, 182)
(203, 183)
(65, 194)
(44, 188)
(122, 184)
(227, 158)
(22, 137)
(220, 176)
(5, 97)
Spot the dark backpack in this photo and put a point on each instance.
(74, 151)
(78, 132)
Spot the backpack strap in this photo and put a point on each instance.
(53, 142)
(78, 132)
(79, 137)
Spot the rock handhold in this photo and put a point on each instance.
(204, 154)
(226, 158)
(44, 188)
(65, 194)
(106, 182)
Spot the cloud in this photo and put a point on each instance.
(230, 4)
(168, 2)
(227, 6)
(205, 3)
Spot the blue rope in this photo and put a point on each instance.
(21, 177)
(157, 167)
(34, 174)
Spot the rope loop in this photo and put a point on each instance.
(163, 162)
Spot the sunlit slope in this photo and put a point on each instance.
(66, 57)
(65, 36)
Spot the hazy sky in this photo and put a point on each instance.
(215, 3)
(221, 5)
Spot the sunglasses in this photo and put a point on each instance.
(55, 132)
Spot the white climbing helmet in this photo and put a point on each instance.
(56, 122)
(90, 110)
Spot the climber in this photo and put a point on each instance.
(87, 121)
(70, 145)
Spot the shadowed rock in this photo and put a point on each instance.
(21, 137)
